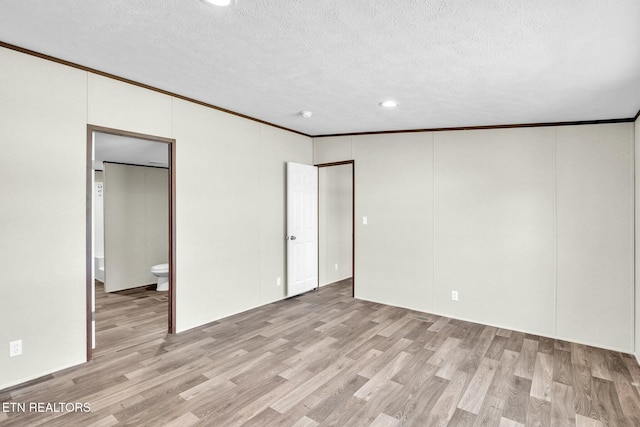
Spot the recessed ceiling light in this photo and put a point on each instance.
(306, 114)
(218, 2)
(389, 103)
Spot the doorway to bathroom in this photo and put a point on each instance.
(130, 238)
(336, 224)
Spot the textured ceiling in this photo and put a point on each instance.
(449, 63)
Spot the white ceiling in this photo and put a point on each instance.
(133, 151)
(449, 63)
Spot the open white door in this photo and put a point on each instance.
(302, 228)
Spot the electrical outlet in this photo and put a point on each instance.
(15, 348)
(278, 282)
(336, 267)
(364, 220)
(454, 295)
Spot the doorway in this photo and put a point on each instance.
(336, 216)
(91, 261)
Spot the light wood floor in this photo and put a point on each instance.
(127, 318)
(324, 358)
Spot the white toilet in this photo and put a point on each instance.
(161, 271)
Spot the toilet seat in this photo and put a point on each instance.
(160, 269)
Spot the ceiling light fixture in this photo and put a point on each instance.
(218, 2)
(306, 114)
(389, 103)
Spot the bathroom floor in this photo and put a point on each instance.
(128, 318)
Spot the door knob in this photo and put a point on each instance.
(292, 237)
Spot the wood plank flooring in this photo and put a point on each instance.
(126, 318)
(324, 359)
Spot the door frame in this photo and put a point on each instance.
(171, 328)
(353, 218)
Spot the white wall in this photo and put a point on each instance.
(118, 105)
(136, 224)
(332, 148)
(335, 201)
(394, 190)
(494, 226)
(595, 261)
(218, 221)
(229, 202)
(43, 111)
(532, 226)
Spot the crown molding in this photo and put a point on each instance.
(521, 125)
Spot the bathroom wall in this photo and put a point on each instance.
(334, 223)
(230, 178)
(532, 226)
(136, 224)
